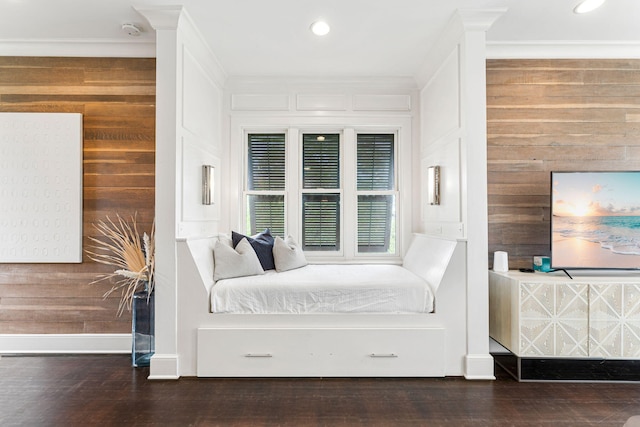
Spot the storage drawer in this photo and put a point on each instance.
(318, 352)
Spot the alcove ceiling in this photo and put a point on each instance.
(374, 38)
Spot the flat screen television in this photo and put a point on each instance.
(595, 220)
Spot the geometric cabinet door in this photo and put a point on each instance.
(554, 319)
(614, 320)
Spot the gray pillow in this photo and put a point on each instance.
(238, 262)
(287, 254)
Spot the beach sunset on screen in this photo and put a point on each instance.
(595, 220)
(596, 194)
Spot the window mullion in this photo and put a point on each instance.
(349, 205)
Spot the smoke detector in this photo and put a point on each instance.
(131, 29)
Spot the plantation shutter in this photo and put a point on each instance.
(266, 162)
(375, 173)
(375, 162)
(321, 161)
(266, 174)
(321, 210)
(321, 222)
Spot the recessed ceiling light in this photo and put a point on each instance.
(320, 28)
(588, 5)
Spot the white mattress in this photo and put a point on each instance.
(325, 289)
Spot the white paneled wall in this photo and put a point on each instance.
(195, 103)
(299, 105)
(453, 136)
(188, 135)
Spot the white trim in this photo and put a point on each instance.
(79, 48)
(479, 367)
(65, 343)
(550, 49)
(464, 20)
(165, 367)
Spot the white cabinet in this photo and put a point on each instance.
(542, 314)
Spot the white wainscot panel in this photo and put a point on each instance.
(194, 157)
(382, 102)
(199, 98)
(322, 102)
(259, 102)
(40, 187)
(447, 156)
(441, 101)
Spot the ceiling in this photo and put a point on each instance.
(377, 38)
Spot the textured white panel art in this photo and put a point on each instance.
(40, 187)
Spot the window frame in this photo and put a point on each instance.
(405, 182)
(245, 181)
(395, 192)
(300, 190)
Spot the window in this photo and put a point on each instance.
(375, 190)
(266, 183)
(321, 192)
(327, 209)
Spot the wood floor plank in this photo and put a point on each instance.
(107, 391)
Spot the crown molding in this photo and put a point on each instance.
(463, 21)
(479, 19)
(162, 17)
(79, 48)
(563, 50)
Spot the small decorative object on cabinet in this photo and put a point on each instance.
(134, 258)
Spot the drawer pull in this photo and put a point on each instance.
(388, 355)
(258, 355)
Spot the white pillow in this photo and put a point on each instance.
(287, 254)
(225, 238)
(238, 262)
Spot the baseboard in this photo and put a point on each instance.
(65, 343)
(164, 367)
(479, 367)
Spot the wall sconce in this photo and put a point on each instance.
(433, 185)
(208, 183)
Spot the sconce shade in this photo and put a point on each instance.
(207, 184)
(433, 185)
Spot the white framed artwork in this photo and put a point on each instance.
(41, 187)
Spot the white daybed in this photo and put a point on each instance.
(327, 344)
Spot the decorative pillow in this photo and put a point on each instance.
(287, 254)
(238, 262)
(225, 239)
(262, 243)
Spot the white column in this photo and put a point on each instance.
(164, 364)
(478, 363)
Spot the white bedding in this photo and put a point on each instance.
(325, 289)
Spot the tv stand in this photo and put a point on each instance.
(584, 328)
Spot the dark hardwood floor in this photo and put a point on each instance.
(105, 390)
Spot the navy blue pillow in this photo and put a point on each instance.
(262, 243)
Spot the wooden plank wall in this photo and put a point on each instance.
(546, 115)
(117, 100)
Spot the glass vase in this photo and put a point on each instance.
(142, 328)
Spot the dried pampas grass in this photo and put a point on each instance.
(133, 256)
